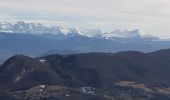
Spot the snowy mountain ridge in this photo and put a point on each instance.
(39, 29)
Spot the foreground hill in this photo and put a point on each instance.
(145, 75)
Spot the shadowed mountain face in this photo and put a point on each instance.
(34, 44)
(132, 66)
(98, 70)
(60, 52)
(138, 74)
(21, 71)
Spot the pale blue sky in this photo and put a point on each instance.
(153, 16)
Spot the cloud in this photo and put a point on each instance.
(151, 15)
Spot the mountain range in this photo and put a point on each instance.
(34, 39)
(65, 32)
(39, 29)
(141, 76)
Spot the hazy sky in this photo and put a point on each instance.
(153, 16)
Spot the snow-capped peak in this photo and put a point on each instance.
(143, 34)
(138, 33)
(86, 32)
(38, 28)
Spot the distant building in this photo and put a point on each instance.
(42, 60)
(87, 90)
(41, 88)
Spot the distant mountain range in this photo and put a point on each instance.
(60, 52)
(108, 73)
(62, 32)
(33, 39)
